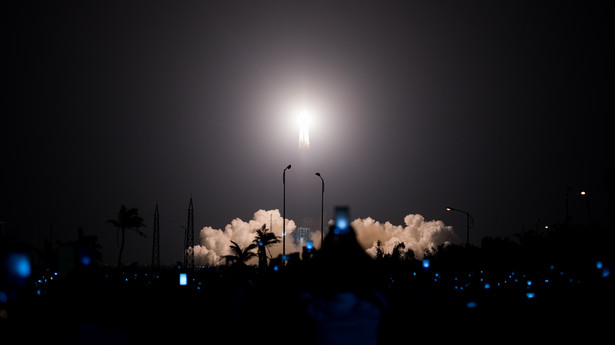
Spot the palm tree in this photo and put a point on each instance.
(240, 256)
(127, 219)
(263, 240)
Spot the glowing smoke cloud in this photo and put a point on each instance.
(216, 243)
(418, 235)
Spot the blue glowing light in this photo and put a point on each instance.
(471, 305)
(183, 279)
(4, 298)
(487, 286)
(86, 260)
(606, 272)
(341, 224)
(309, 245)
(529, 283)
(275, 268)
(19, 265)
(530, 295)
(599, 265)
(425, 263)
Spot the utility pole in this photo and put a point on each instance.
(189, 239)
(156, 242)
(284, 213)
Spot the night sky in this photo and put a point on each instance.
(494, 108)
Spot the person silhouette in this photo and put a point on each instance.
(341, 301)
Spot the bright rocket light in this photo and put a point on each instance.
(304, 135)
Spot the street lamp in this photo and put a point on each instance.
(284, 214)
(322, 205)
(470, 220)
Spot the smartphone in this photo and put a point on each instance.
(183, 279)
(309, 245)
(342, 220)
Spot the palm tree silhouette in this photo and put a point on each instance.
(263, 240)
(127, 219)
(240, 256)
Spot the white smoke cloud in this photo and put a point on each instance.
(215, 243)
(418, 235)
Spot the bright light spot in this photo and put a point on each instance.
(183, 279)
(303, 119)
(599, 265)
(530, 295)
(425, 263)
(19, 265)
(341, 224)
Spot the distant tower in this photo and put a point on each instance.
(189, 239)
(156, 244)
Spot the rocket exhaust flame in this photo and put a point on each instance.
(304, 138)
(304, 135)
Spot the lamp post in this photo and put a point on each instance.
(470, 220)
(284, 213)
(322, 205)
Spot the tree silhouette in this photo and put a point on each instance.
(379, 251)
(127, 219)
(240, 256)
(397, 252)
(263, 240)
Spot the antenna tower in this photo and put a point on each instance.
(189, 239)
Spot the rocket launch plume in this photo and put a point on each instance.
(418, 235)
(215, 243)
(304, 135)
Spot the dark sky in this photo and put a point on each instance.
(490, 107)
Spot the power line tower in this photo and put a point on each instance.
(156, 244)
(189, 239)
